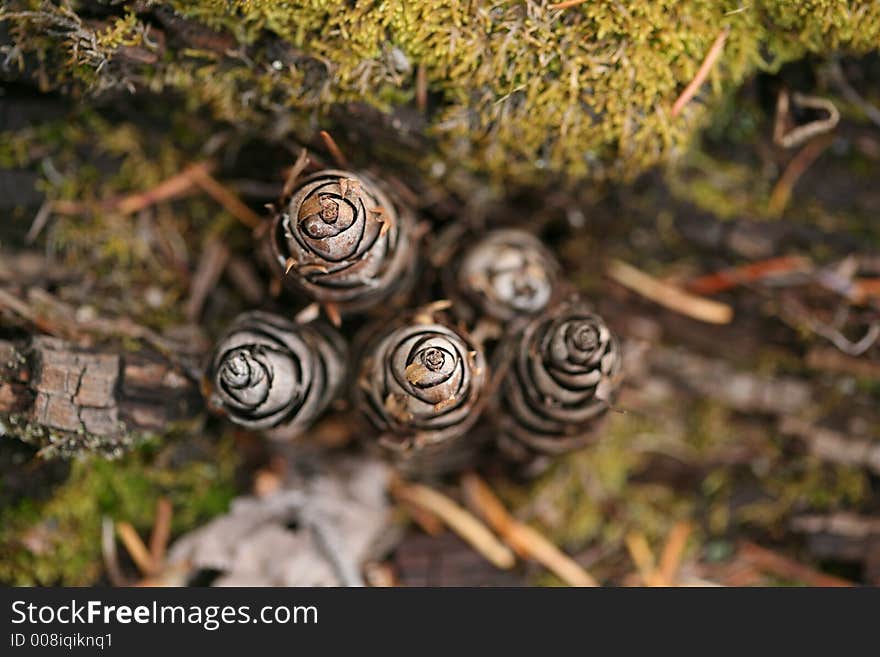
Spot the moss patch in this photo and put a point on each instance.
(58, 541)
(522, 91)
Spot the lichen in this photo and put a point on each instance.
(522, 91)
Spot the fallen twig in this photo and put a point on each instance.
(777, 564)
(458, 519)
(702, 73)
(640, 552)
(864, 289)
(750, 273)
(567, 4)
(667, 295)
(40, 221)
(422, 88)
(832, 446)
(832, 360)
(295, 172)
(524, 540)
(211, 265)
(161, 531)
(168, 189)
(335, 152)
(799, 164)
(798, 134)
(108, 551)
(427, 521)
(226, 198)
(839, 79)
(136, 548)
(673, 551)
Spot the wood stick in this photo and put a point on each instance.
(458, 519)
(108, 551)
(641, 554)
(136, 548)
(168, 189)
(427, 521)
(161, 531)
(752, 272)
(525, 541)
(228, 199)
(295, 172)
(831, 359)
(670, 558)
(776, 564)
(799, 164)
(702, 73)
(422, 88)
(335, 152)
(674, 298)
(567, 4)
(211, 265)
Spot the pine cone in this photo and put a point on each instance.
(562, 372)
(507, 275)
(422, 387)
(272, 375)
(341, 240)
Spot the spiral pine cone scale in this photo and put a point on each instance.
(341, 239)
(564, 370)
(272, 375)
(422, 387)
(506, 275)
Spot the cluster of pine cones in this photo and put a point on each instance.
(508, 358)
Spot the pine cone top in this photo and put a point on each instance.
(422, 384)
(269, 374)
(506, 275)
(564, 372)
(342, 240)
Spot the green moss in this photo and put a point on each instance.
(523, 90)
(59, 541)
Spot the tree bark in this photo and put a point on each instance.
(66, 398)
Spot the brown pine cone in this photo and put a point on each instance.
(272, 375)
(505, 276)
(422, 387)
(562, 372)
(341, 240)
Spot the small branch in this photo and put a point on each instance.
(752, 272)
(776, 564)
(108, 551)
(834, 447)
(799, 164)
(702, 73)
(832, 360)
(226, 198)
(169, 189)
(335, 151)
(799, 134)
(668, 295)
(641, 554)
(422, 88)
(295, 172)
(567, 4)
(851, 95)
(670, 558)
(457, 519)
(136, 548)
(161, 531)
(427, 521)
(211, 266)
(525, 541)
